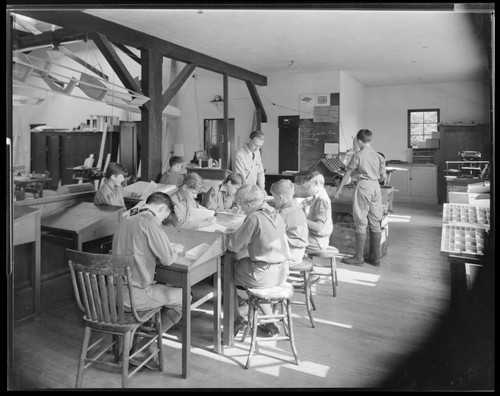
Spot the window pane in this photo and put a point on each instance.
(428, 128)
(416, 117)
(430, 117)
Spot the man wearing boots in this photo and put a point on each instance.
(369, 167)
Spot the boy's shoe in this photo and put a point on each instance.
(268, 330)
(152, 364)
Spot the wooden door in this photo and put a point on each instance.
(288, 143)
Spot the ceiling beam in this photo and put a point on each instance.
(79, 20)
(114, 61)
(126, 51)
(176, 85)
(47, 38)
(256, 100)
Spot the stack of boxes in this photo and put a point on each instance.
(432, 143)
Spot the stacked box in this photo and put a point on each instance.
(432, 143)
(463, 239)
(470, 214)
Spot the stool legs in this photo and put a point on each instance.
(308, 296)
(253, 323)
(333, 273)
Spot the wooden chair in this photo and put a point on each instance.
(279, 297)
(98, 282)
(319, 257)
(300, 279)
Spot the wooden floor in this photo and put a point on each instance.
(388, 328)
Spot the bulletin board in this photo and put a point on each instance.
(319, 124)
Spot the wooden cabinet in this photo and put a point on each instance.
(417, 183)
(456, 138)
(55, 152)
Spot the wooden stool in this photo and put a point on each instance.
(302, 282)
(329, 253)
(281, 295)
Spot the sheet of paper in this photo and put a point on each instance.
(197, 251)
(200, 214)
(214, 228)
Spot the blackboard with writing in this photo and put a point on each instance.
(322, 128)
(313, 136)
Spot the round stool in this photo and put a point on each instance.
(330, 254)
(279, 297)
(300, 279)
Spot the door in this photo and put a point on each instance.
(288, 143)
(217, 144)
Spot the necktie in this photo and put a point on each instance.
(253, 156)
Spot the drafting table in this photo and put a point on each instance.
(83, 222)
(187, 272)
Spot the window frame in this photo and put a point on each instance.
(410, 111)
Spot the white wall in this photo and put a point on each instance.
(387, 110)
(352, 110)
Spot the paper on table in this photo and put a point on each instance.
(197, 251)
(214, 228)
(200, 214)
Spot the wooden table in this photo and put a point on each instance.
(187, 272)
(229, 292)
(27, 230)
(34, 184)
(83, 222)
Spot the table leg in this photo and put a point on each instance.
(229, 297)
(37, 270)
(217, 308)
(186, 325)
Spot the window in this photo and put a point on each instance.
(421, 124)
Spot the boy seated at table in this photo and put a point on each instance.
(259, 250)
(111, 190)
(297, 232)
(188, 213)
(143, 237)
(221, 197)
(176, 172)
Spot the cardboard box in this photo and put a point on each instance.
(343, 237)
(436, 135)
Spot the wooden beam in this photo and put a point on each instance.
(256, 100)
(115, 62)
(174, 87)
(47, 38)
(151, 118)
(79, 20)
(77, 59)
(225, 95)
(126, 51)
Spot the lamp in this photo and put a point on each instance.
(217, 101)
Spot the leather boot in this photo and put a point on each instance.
(375, 238)
(357, 259)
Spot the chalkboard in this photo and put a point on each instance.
(314, 135)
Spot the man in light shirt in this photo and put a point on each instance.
(248, 162)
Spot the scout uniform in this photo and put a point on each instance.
(297, 231)
(109, 195)
(218, 198)
(319, 208)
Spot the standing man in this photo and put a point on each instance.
(367, 205)
(247, 160)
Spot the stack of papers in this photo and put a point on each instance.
(214, 228)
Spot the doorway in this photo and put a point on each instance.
(288, 143)
(217, 143)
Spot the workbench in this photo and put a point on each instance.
(33, 184)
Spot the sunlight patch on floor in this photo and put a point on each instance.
(310, 368)
(329, 322)
(399, 219)
(356, 277)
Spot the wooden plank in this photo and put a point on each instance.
(115, 62)
(47, 38)
(261, 113)
(77, 19)
(176, 85)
